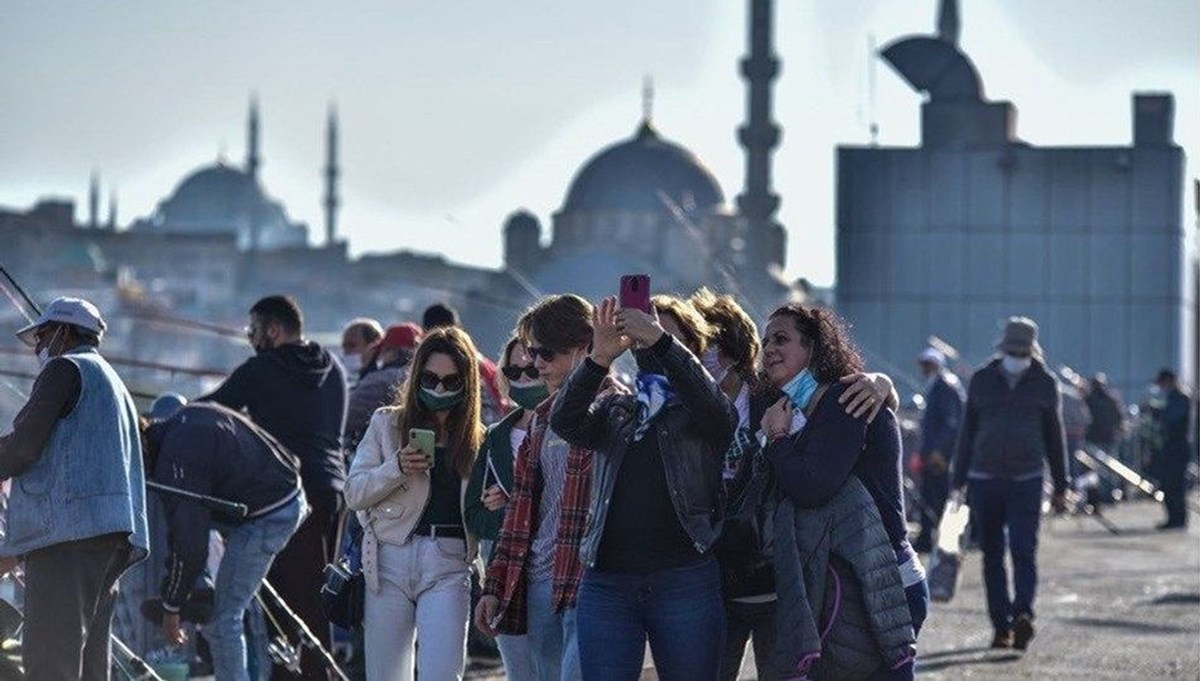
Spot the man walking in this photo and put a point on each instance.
(1170, 462)
(76, 511)
(211, 450)
(939, 428)
(1012, 428)
(296, 391)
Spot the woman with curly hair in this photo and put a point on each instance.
(416, 548)
(814, 446)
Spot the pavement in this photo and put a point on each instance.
(1110, 606)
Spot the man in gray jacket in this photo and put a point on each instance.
(1012, 429)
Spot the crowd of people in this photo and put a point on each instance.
(671, 476)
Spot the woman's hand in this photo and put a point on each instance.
(485, 614)
(494, 499)
(867, 394)
(777, 421)
(642, 328)
(608, 341)
(413, 460)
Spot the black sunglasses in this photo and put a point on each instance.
(431, 381)
(513, 372)
(547, 354)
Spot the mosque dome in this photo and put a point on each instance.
(212, 199)
(636, 175)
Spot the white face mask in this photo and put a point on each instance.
(711, 360)
(1016, 365)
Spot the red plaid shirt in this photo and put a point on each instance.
(507, 578)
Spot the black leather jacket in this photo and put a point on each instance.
(692, 436)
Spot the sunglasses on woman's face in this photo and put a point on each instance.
(513, 372)
(449, 382)
(547, 354)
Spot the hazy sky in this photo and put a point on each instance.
(455, 113)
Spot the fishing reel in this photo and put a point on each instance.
(284, 654)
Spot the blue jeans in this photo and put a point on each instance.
(679, 610)
(553, 644)
(250, 547)
(1015, 506)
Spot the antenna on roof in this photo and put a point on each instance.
(647, 98)
(872, 58)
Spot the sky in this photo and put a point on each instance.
(456, 113)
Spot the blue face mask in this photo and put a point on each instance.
(801, 388)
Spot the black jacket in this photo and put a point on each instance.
(297, 393)
(209, 449)
(1108, 418)
(747, 541)
(692, 437)
(1007, 432)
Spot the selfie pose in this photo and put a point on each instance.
(408, 482)
(656, 506)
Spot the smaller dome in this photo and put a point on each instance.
(637, 174)
(522, 220)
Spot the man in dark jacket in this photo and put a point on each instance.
(939, 428)
(296, 391)
(1108, 416)
(1170, 462)
(1012, 429)
(211, 450)
(378, 389)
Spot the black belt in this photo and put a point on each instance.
(441, 531)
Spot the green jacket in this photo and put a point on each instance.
(495, 462)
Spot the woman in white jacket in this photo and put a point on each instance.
(416, 550)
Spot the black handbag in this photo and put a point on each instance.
(345, 588)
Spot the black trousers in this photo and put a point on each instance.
(743, 622)
(70, 591)
(298, 573)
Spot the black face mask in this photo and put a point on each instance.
(649, 363)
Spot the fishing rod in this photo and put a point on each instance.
(183, 322)
(307, 639)
(233, 509)
(28, 301)
(138, 364)
(140, 394)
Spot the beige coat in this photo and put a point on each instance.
(389, 503)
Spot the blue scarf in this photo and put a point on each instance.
(800, 389)
(653, 393)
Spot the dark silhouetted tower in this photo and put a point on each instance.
(948, 25)
(331, 176)
(253, 162)
(759, 137)
(94, 201)
(112, 210)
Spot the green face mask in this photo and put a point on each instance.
(528, 396)
(439, 401)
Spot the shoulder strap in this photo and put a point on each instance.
(816, 399)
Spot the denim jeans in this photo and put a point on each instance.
(680, 610)
(553, 645)
(517, 656)
(424, 597)
(745, 622)
(250, 548)
(1015, 506)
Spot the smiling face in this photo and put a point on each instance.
(785, 351)
(555, 369)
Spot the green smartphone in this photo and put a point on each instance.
(425, 440)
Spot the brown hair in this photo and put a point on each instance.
(561, 322)
(824, 332)
(735, 333)
(464, 425)
(697, 330)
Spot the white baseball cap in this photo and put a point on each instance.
(74, 311)
(932, 356)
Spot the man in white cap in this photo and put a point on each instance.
(1012, 432)
(939, 428)
(76, 513)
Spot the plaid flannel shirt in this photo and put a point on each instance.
(507, 576)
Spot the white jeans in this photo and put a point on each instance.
(424, 589)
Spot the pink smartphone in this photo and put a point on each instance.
(635, 292)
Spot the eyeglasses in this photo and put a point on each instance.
(250, 331)
(431, 381)
(1018, 354)
(513, 372)
(546, 354)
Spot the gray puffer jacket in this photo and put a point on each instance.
(842, 612)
